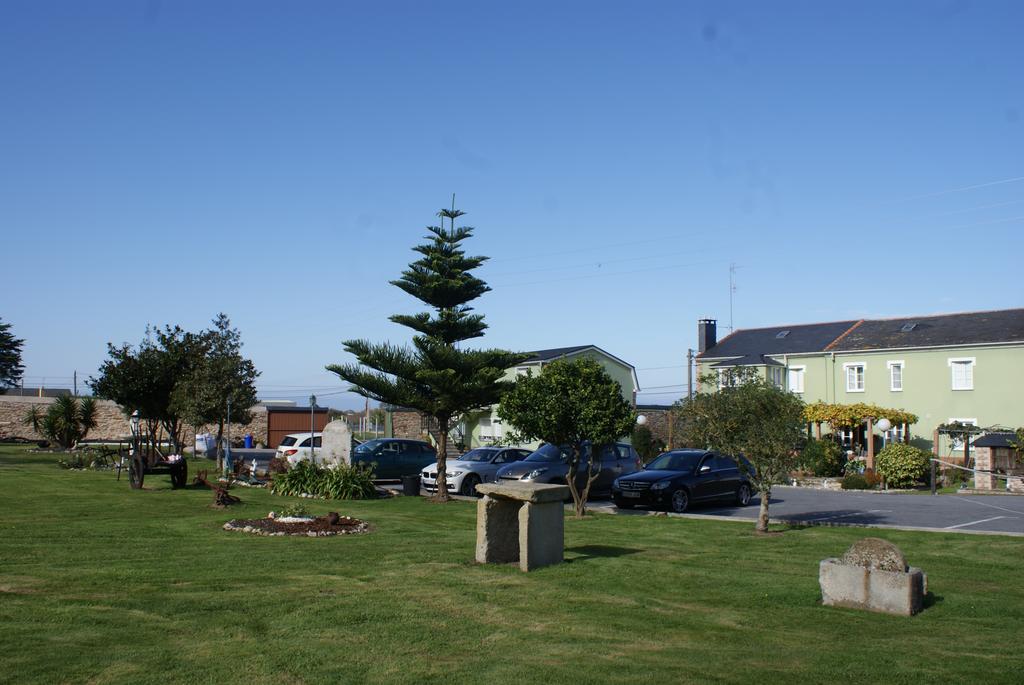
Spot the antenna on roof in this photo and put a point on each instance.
(732, 290)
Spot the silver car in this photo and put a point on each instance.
(472, 468)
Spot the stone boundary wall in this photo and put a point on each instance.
(407, 424)
(111, 423)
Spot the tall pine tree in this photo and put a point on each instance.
(435, 376)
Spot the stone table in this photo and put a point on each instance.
(521, 522)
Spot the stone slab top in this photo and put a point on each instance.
(525, 492)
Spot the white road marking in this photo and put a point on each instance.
(991, 506)
(974, 523)
(856, 513)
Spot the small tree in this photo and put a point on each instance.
(645, 444)
(902, 465)
(750, 418)
(10, 357)
(435, 377)
(220, 375)
(66, 422)
(574, 403)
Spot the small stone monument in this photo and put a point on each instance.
(873, 575)
(521, 522)
(336, 444)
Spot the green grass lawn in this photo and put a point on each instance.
(101, 584)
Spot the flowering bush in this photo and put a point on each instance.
(902, 465)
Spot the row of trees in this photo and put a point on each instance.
(176, 377)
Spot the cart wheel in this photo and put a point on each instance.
(179, 475)
(136, 472)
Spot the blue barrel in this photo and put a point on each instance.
(248, 441)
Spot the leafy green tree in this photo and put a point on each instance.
(573, 403)
(220, 375)
(752, 418)
(435, 375)
(144, 378)
(66, 422)
(645, 444)
(10, 357)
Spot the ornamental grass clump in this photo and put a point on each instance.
(341, 481)
(902, 465)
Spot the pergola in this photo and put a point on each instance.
(851, 415)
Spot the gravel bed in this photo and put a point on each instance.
(321, 526)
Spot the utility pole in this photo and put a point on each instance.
(75, 376)
(689, 374)
(312, 428)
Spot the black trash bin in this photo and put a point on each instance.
(411, 485)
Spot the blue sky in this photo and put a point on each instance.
(163, 161)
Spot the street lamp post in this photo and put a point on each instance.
(312, 427)
(884, 425)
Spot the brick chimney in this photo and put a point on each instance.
(707, 334)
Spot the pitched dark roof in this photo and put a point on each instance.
(555, 353)
(968, 328)
(994, 440)
(748, 360)
(813, 337)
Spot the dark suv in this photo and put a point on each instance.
(676, 479)
(395, 457)
(550, 464)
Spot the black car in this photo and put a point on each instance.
(679, 478)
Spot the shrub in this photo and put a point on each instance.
(341, 481)
(292, 510)
(66, 422)
(855, 481)
(645, 444)
(902, 465)
(823, 458)
(872, 478)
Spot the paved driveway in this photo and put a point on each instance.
(965, 513)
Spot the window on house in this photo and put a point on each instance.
(962, 373)
(522, 370)
(775, 376)
(956, 443)
(896, 376)
(796, 379)
(854, 377)
(723, 378)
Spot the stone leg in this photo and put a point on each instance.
(541, 534)
(843, 585)
(497, 531)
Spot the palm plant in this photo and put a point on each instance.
(67, 421)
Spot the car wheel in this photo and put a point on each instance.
(680, 501)
(469, 484)
(743, 495)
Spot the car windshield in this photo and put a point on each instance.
(549, 454)
(480, 454)
(676, 461)
(287, 441)
(369, 445)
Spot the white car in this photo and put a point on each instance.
(299, 447)
(472, 468)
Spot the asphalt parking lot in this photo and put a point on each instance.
(1003, 514)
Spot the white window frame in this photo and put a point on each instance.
(776, 376)
(522, 370)
(954, 363)
(863, 375)
(801, 372)
(891, 365)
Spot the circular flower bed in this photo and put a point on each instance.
(320, 526)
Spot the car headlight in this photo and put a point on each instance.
(455, 474)
(533, 474)
(661, 485)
